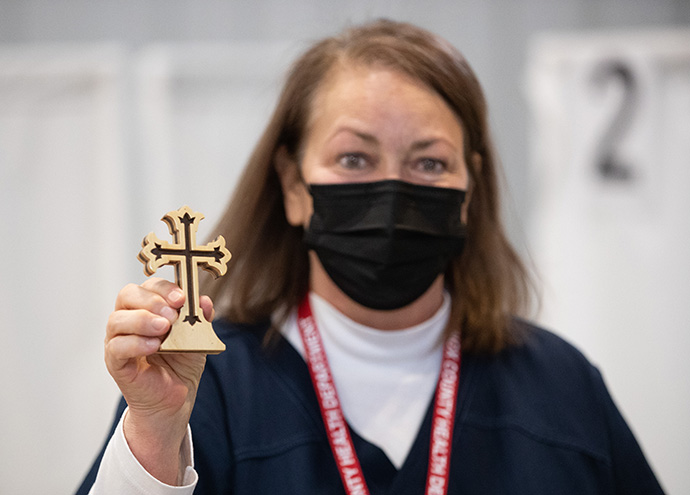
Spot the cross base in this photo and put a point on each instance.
(187, 338)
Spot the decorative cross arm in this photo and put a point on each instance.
(191, 332)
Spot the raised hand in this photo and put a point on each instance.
(160, 389)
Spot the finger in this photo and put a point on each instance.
(137, 322)
(120, 350)
(166, 289)
(140, 297)
(207, 306)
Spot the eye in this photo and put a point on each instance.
(352, 161)
(431, 166)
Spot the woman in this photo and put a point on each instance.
(367, 249)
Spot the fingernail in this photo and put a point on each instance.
(160, 324)
(153, 343)
(169, 313)
(176, 296)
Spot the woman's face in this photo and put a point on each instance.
(370, 124)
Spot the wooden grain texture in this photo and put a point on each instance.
(191, 332)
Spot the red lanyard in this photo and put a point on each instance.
(336, 427)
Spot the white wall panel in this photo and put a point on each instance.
(202, 108)
(63, 229)
(609, 228)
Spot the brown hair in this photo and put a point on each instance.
(270, 270)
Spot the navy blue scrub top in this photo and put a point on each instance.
(533, 419)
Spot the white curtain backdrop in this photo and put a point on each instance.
(97, 143)
(611, 238)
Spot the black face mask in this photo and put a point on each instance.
(384, 243)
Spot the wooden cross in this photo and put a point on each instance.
(191, 332)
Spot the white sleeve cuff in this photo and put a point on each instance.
(120, 471)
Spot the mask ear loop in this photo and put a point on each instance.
(474, 169)
(300, 176)
(307, 185)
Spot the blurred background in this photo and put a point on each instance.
(114, 112)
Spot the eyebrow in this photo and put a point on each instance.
(362, 135)
(370, 138)
(426, 143)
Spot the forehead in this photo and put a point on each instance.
(346, 74)
(359, 89)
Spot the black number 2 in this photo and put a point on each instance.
(609, 164)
